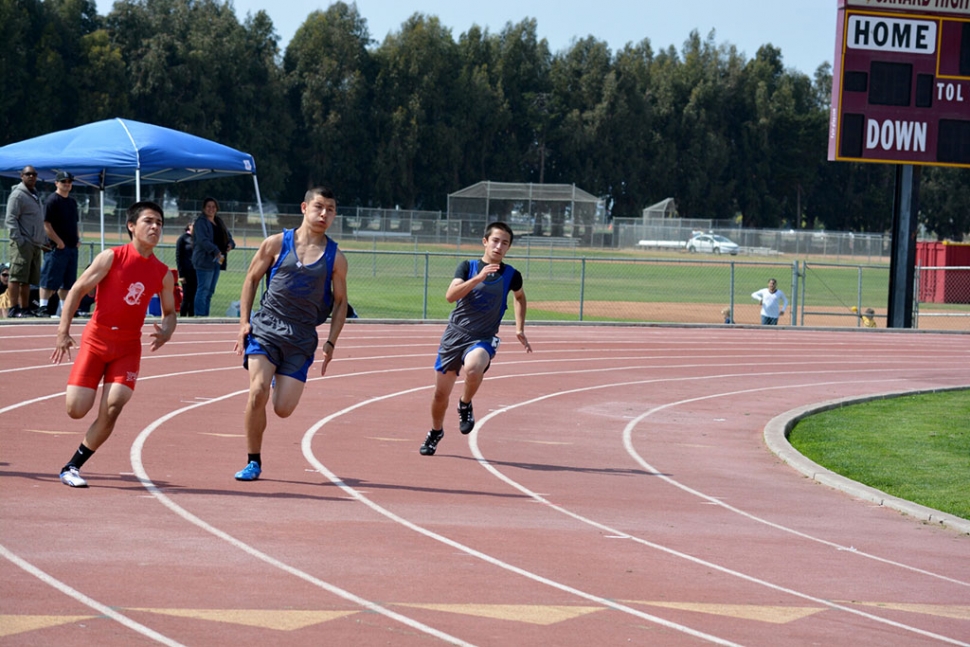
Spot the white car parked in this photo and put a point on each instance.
(712, 243)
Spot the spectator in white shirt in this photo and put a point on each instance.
(773, 303)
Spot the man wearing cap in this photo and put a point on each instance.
(60, 263)
(25, 226)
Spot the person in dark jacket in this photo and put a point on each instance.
(183, 263)
(28, 238)
(211, 242)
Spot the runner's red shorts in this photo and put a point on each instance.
(115, 361)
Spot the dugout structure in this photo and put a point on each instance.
(531, 209)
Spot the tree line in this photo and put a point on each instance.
(422, 114)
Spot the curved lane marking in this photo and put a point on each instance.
(135, 455)
(85, 600)
(142, 475)
(356, 495)
(473, 444)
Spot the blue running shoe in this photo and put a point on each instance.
(249, 473)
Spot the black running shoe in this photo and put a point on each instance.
(431, 442)
(466, 417)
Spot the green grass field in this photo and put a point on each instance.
(913, 447)
(390, 280)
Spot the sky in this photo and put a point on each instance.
(804, 30)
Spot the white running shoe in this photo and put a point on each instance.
(72, 477)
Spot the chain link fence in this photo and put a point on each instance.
(658, 234)
(401, 262)
(943, 295)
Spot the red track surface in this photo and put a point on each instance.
(617, 490)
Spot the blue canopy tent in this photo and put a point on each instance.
(115, 152)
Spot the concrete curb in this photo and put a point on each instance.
(776, 437)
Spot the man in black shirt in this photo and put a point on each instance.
(60, 222)
(183, 262)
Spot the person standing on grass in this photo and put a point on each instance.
(59, 270)
(773, 303)
(183, 263)
(28, 241)
(126, 277)
(211, 242)
(307, 283)
(480, 292)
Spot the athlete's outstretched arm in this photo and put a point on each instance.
(264, 258)
(519, 307)
(338, 316)
(88, 280)
(164, 331)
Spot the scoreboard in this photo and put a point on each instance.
(901, 82)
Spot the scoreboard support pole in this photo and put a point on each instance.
(902, 265)
(901, 95)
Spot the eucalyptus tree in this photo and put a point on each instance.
(853, 197)
(417, 125)
(584, 88)
(693, 110)
(944, 202)
(180, 55)
(524, 64)
(330, 75)
(193, 67)
(20, 109)
(41, 50)
(483, 113)
(258, 120)
(632, 152)
(102, 79)
(781, 142)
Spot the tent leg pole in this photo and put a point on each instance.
(259, 201)
(102, 220)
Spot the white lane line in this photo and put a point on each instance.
(631, 450)
(24, 403)
(473, 444)
(352, 375)
(358, 496)
(154, 492)
(139, 468)
(85, 600)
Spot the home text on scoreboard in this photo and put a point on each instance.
(901, 82)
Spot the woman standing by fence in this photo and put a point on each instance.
(211, 242)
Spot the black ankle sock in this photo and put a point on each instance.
(80, 457)
(256, 458)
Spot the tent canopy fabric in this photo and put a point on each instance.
(115, 152)
(118, 151)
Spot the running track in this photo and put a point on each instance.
(617, 489)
